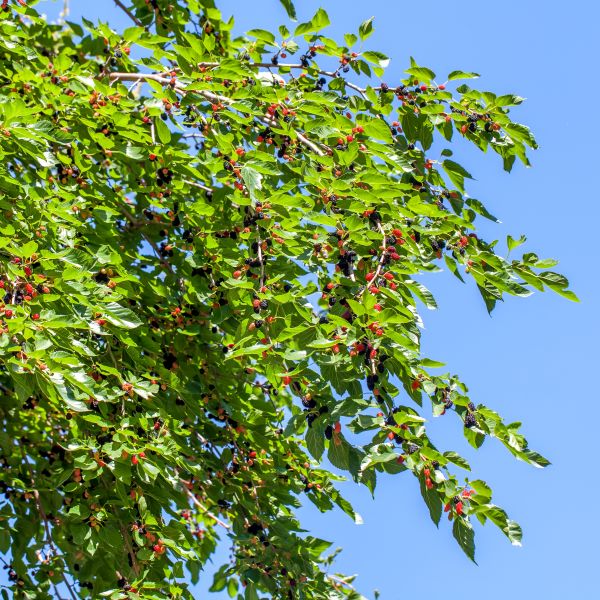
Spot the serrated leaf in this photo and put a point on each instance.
(456, 173)
(366, 29)
(253, 180)
(462, 75)
(120, 316)
(376, 58)
(262, 34)
(457, 459)
(289, 8)
(339, 452)
(465, 536)
(432, 500)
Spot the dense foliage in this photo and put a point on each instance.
(209, 257)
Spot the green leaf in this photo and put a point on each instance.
(376, 58)
(315, 441)
(339, 452)
(219, 580)
(163, 132)
(350, 39)
(366, 29)
(462, 75)
(253, 180)
(512, 243)
(318, 22)
(433, 501)
(232, 587)
(289, 8)
(422, 74)
(377, 129)
(261, 34)
(463, 533)
(456, 173)
(120, 316)
(455, 458)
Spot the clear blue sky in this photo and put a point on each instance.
(532, 361)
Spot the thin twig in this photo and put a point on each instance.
(203, 508)
(309, 144)
(152, 133)
(198, 185)
(14, 294)
(260, 258)
(134, 563)
(129, 13)
(340, 581)
(153, 77)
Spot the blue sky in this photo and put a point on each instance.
(533, 361)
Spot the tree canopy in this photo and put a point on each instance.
(210, 257)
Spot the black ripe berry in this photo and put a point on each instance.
(470, 420)
(254, 528)
(411, 448)
(328, 432)
(371, 381)
(264, 304)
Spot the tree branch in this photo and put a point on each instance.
(332, 74)
(379, 266)
(202, 507)
(49, 539)
(260, 258)
(129, 13)
(206, 94)
(340, 581)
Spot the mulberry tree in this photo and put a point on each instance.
(210, 259)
